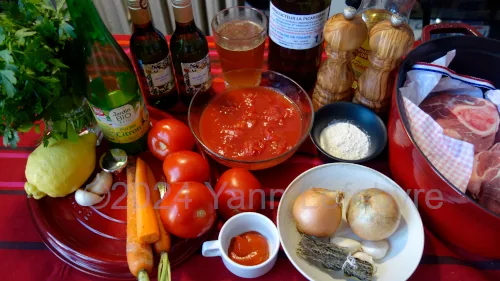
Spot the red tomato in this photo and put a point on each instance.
(184, 166)
(187, 209)
(168, 136)
(238, 191)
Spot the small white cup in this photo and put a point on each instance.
(235, 226)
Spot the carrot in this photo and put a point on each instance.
(147, 225)
(162, 246)
(139, 255)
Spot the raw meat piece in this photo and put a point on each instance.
(485, 180)
(486, 167)
(463, 117)
(490, 197)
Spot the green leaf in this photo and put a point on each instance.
(8, 75)
(67, 16)
(37, 128)
(65, 28)
(38, 107)
(8, 88)
(50, 80)
(58, 63)
(25, 128)
(60, 4)
(6, 56)
(72, 135)
(47, 4)
(41, 66)
(59, 126)
(8, 82)
(10, 138)
(2, 36)
(24, 32)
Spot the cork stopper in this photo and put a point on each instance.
(349, 12)
(345, 31)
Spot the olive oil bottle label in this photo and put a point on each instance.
(297, 32)
(159, 76)
(197, 75)
(360, 62)
(123, 124)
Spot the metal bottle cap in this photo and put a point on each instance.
(137, 4)
(349, 12)
(397, 20)
(181, 3)
(114, 161)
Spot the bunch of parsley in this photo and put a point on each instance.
(42, 76)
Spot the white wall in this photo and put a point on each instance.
(337, 7)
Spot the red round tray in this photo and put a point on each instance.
(92, 239)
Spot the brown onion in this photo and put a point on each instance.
(318, 212)
(373, 214)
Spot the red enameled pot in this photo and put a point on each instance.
(459, 219)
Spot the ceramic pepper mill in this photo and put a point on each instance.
(389, 40)
(344, 33)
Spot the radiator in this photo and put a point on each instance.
(117, 19)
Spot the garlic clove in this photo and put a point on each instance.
(364, 257)
(376, 249)
(350, 245)
(85, 198)
(101, 183)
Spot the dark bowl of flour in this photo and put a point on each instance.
(348, 132)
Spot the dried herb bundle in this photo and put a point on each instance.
(333, 257)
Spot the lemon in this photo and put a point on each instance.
(60, 168)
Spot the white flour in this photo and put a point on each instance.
(345, 141)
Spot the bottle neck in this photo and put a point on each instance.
(89, 26)
(141, 19)
(402, 7)
(184, 19)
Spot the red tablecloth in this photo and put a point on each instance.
(24, 257)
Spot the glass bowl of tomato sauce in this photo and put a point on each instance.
(251, 118)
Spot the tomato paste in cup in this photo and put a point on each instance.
(249, 248)
(250, 123)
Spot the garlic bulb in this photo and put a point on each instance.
(376, 249)
(85, 198)
(101, 183)
(364, 257)
(350, 245)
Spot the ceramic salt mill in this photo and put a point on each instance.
(344, 33)
(389, 41)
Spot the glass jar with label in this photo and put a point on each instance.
(189, 49)
(113, 91)
(296, 38)
(150, 51)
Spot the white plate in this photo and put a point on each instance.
(406, 244)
